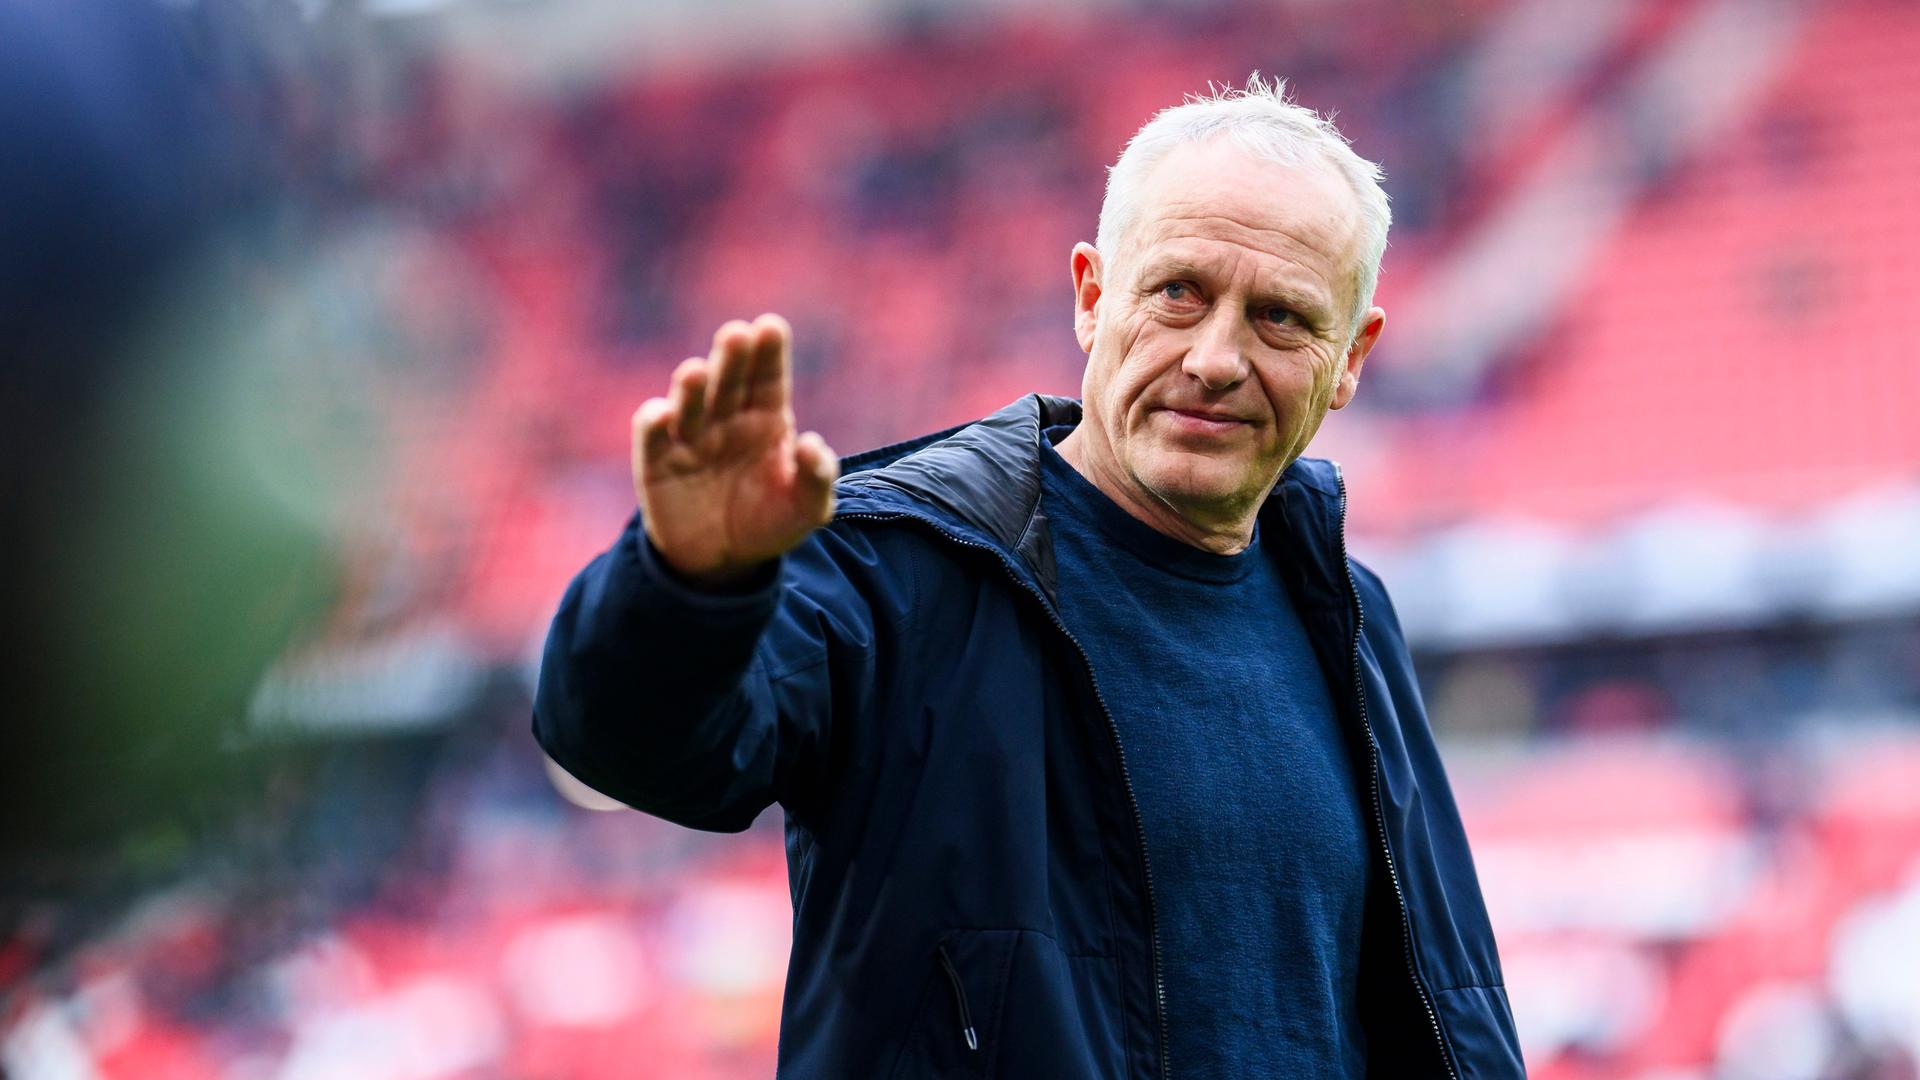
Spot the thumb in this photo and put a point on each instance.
(815, 469)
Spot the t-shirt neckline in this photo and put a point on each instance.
(1153, 548)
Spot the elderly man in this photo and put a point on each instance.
(1098, 755)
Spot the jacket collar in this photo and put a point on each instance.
(982, 482)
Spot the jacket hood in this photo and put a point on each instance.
(982, 481)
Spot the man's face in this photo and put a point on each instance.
(1219, 334)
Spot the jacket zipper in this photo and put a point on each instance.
(1379, 815)
(960, 996)
(1113, 729)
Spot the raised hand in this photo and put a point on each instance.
(723, 481)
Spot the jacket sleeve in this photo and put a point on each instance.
(705, 707)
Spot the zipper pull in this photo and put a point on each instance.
(960, 997)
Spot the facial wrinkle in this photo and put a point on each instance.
(1292, 251)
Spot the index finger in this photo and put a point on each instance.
(770, 374)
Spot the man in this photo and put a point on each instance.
(1098, 756)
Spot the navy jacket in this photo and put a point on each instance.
(971, 887)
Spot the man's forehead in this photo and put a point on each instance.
(1217, 178)
(1217, 190)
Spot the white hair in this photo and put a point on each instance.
(1263, 121)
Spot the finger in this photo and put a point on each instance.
(652, 436)
(770, 379)
(815, 469)
(732, 346)
(689, 398)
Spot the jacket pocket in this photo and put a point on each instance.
(956, 1026)
(1480, 1027)
(1010, 1003)
(967, 1030)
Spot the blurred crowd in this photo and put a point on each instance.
(440, 278)
(416, 909)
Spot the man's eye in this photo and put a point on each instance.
(1177, 291)
(1280, 316)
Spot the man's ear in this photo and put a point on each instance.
(1370, 326)
(1086, 293)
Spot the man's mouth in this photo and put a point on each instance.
(1205, 421)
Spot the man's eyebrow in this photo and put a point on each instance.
(1168, 266)
(1305, 301)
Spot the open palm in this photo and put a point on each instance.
(724, 482)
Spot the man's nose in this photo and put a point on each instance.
(1218, 357)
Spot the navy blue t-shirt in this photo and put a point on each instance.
(1248, 795)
